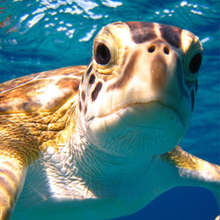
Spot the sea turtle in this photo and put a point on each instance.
(106, 134)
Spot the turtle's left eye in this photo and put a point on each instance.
(102, 54)
(195, 63)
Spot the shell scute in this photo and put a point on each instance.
(40, 92)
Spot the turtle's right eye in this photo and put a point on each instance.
(195, 63)
(102, 54)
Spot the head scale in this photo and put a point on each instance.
(142, 81)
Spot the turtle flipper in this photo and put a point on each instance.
(193, 171)
(17, 151)
(12, 176)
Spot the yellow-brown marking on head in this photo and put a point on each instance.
(158, 72)
(142, 31)
(128, 71)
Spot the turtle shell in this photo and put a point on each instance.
(40, 92)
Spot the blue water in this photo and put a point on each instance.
(47, 34)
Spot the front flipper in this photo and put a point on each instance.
(188, 170)
(12, 176)
(17, 151)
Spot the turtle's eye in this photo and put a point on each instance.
(102, 54)
(195, 63)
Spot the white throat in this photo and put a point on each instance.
(104, 166)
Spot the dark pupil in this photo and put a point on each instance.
(195, 63)
(102, 54)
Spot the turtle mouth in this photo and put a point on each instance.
(138, 107)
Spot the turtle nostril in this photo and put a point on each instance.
(151, 49)
(166, 50)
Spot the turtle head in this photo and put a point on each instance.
(140, 87)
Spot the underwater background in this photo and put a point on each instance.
(47, 34)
